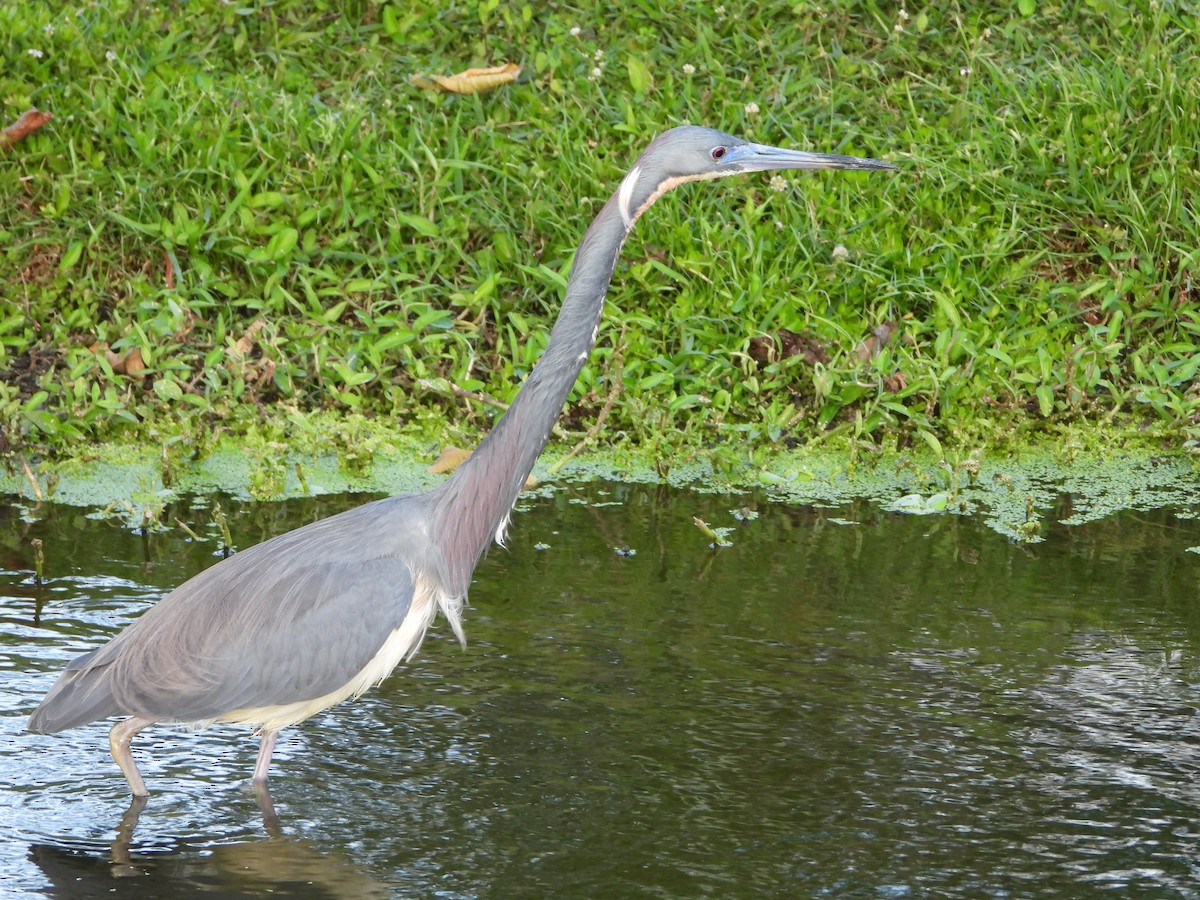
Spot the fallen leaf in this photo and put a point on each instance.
(869, 348)
(448, 460)
(452, 457)
(133, 364)
(27, 123)
(245, 343)
(129, 364)
(793, 343)
(266, 370)
(472, 81)
(786, 344)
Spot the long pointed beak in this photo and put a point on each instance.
(761, 157)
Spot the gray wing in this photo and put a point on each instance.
(287, 620)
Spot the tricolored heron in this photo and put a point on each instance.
(287, 628)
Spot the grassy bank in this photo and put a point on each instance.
(244, 215)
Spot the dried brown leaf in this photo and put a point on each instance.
(786, 344)
(245, 343)
(266, 371)
(27, 123)
(448, 460)
(452, 457)
(472, 81)
(869, 348)
(133, 364)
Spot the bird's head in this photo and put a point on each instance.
(693, 153)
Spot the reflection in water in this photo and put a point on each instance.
(844, 703)
(276, 866)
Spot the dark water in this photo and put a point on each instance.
(845, 703)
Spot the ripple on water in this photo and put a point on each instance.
(843, 703)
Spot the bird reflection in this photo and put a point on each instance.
(277, 865)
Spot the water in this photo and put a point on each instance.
(844, 703)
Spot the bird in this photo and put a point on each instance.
(289, 627)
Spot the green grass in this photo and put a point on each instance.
(212, 165)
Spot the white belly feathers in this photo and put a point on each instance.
(400, 645)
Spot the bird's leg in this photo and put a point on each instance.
(266, 746)
(118, 742)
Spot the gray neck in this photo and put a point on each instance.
(478, 498)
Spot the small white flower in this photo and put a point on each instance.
(595, 74)
(778, 184)
(720, 11)
(48, 28)
(903, 14)
(898, 27)
(576, 31)
(689, 69)
(964, 71)
(751, 108)
(110, 56)
(36, 54)
(840, 253)
(599, 55)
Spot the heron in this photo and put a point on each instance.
(289, 627)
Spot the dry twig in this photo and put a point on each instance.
(37, 488)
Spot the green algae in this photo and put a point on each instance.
(1014, 493)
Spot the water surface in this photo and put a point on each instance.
(846, 702)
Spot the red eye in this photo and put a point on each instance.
(718, 152)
